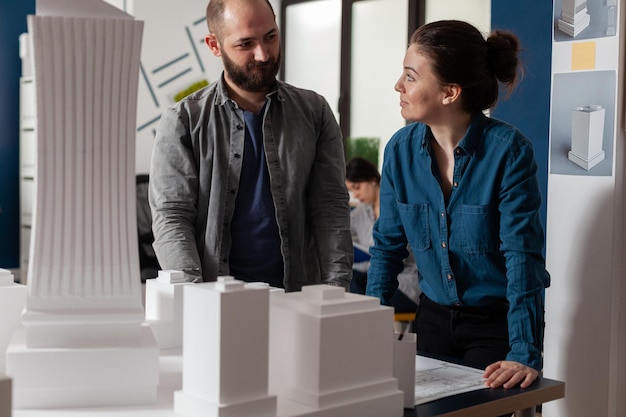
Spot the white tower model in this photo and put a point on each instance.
(331, 354)
(574, 17)
(83, 340)
(225, 351)
(587, 136)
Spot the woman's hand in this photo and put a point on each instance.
(509, 374)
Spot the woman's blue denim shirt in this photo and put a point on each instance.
(194, 177)
(484, 244)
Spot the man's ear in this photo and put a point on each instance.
(213, 44)
(451, 93)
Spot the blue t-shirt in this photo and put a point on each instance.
(255, 254)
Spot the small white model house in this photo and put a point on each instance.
(587, 136)
(12, 302)
(331, 354)
(225, 351)
(83, 340)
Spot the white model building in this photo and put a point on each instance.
(587, 136)
(83, 341)
(331, 354)
(225, 351)
(164, 308)
(574, 17)
(12, 303)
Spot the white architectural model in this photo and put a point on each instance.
(83, 340)
(164, 308)
(587, 136)
(331, 354)
(574, 17)
(225, 351)
(12, 302)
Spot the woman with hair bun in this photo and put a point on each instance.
(461, 189)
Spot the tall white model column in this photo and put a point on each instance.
(332, 354)
(225, 351)
(83, 341)
(587, 136)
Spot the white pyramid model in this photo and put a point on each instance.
(83, 340)
(331, 354)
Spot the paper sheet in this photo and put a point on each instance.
(435, 379)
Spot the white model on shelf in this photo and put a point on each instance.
(12, 302)
(587, 136)
(83, 340)
(574, 17)
(225, 351)
(331, 354)
(164, 308)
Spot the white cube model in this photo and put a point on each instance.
(331, 354)
(225, 351)
(5, 396)
(587, 136)
(12, 302)
(164, 308)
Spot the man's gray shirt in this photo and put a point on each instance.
(194, 177)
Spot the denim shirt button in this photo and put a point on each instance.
(443, 245)
(456, 184)
(450, 276)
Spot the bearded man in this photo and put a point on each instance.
(247, 174)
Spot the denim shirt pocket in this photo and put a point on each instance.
(414, 218)
(480, 229)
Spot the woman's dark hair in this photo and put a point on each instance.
(461, 55)
(359, 169)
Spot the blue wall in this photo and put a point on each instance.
(529, 107)
(12, 24)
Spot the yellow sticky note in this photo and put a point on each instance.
(583, 56)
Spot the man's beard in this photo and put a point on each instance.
(256, 76)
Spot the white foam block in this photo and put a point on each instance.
(83, 377)
(164, 311)
(225, 351)
(330, 352)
